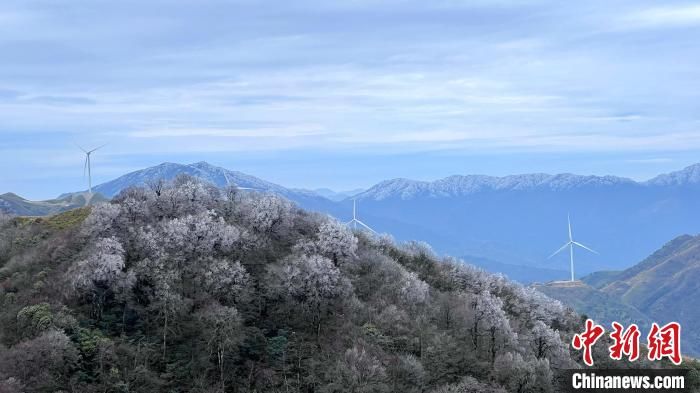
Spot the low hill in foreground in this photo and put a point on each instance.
(188, 289)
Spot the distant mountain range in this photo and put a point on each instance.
(662, 288)
(337, 195)
(504, 224)
(521, 219)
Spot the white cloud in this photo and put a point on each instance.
(684, 15)
(653, 161)
(261, 132)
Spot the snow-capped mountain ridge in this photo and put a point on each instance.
(461, 185)
(458, 185)
(688, 176)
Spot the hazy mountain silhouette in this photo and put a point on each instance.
(512, 221)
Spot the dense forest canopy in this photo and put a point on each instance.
(184, 287)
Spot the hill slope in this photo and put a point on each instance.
(191, 290)
(14, 204)
(596, 304)
(661, 289)
(664, 286)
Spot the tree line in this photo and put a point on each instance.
(183, 287)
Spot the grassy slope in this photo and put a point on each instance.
(17, 205)
(665, 285)
(593, 303)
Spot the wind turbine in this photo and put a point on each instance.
(88, 167)
(355, 220)
(229, 183)
(571, 243)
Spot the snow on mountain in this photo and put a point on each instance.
(687, 176)
(465, 185)
(216, 175)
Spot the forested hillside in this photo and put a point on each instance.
(183, 287)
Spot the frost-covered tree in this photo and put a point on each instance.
(414, 291)
(202, 234)
(519, 375)
(487, 319)
(224, 280)
(221, 327)
(360, 372)
(102, 266)
(336, 241)
(268, 214)
(101, 220)
(408, 374)
(43, 363)
(547, 343)
(314, 282)
(101, 273)
(186, 195)
(469, 385)
(4, 218)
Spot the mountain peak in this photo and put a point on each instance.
(10, 195)
(204, 164)
(219, 176)
(689, 175)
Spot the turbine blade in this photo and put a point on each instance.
(560, 250)
(589, 249)
(97, 148)
(365, 225)
(85, 166)
(80, 147)
(568, 219)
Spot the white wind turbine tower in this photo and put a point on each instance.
(571, 243)
(88, 166)
(230, 183)
(355, 220)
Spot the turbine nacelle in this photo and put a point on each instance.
(570, 244)
(87, 168)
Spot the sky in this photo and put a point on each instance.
(344, 94)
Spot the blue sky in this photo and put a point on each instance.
(343, 94)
